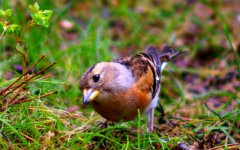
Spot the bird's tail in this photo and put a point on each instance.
(167, 54)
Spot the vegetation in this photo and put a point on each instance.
(40, 102)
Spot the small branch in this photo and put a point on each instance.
(7, 88)
(27, 137)
(46, 76)
(50, 93)
(13, 98)
(30, 78)
(24, 98)
(229, 146)
(21, 99)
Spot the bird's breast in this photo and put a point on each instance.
(122, 105)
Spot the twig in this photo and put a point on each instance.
(41, 78)
(21, 99)
(50, 93)
(24, 99)
(30, 78)
(45, 76)
(230, 146)
(7, 88)
(28, 137)
(14, 97)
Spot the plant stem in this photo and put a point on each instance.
(7, 88)
(4, 29)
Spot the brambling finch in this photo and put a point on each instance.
(120, 88)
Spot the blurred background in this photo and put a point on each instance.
(82, 33)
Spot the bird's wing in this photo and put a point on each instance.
(144, 72)
(156, 68)
(124, 61)
(146, 67)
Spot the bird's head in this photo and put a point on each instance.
(102, 79)
(92, 81)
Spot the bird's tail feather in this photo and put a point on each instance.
(168, 53)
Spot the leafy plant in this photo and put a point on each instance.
(40, 17)
(17, 91)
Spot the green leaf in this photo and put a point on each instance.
(36, 5)
(2, 25)
(13, 29)
(2, 13)
(8, 12)
(40, 17)
(32, 9)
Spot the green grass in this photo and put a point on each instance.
(104, 31)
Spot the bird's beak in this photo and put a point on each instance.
(89, 95)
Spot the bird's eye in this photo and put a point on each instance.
(96, 77)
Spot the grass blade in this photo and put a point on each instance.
(225, 28)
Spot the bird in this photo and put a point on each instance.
(118, 90)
